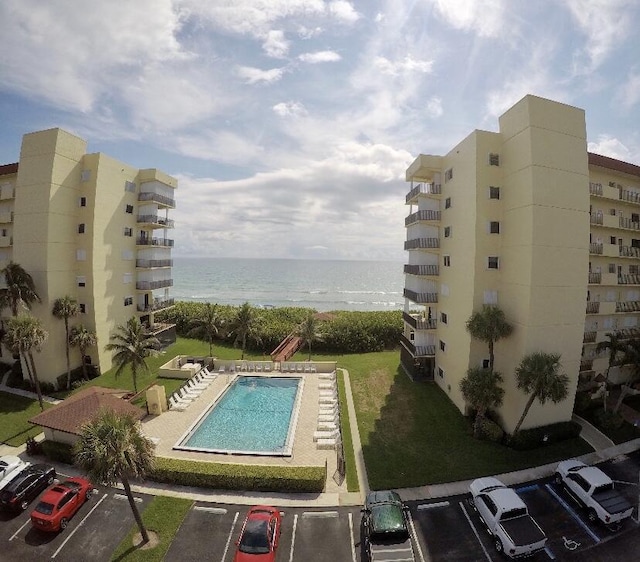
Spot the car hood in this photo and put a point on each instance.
(245, 557)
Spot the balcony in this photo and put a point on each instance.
(628, 252)
(158, 304)
(628, 279)
(164, 242)
(424, 270)
(420, 323)
(628, 223)
(628, 333)
(593, 307)
(418, 350)
(150, 264)
(157, 198)
(628, 306)
(629, 196)
(589, 337)
(595, 278)
(424, 215)
(595, 189)
(595, 248)
(155, 220)
(423, 189)
(586, 365)
(422, 244)
(6, 218)
(421, 298)
(152, 285)
(596, 218)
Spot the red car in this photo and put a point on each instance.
(60, 503)
(259, 535)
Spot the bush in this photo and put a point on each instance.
(490, 431)
(15, 379)
(583, 403)
(239, 477)
(607, 420)
(56, 451)
(527, 439)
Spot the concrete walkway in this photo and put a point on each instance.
(25, 393)
(593, 435)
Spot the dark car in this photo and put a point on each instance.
(386, 528)
(26, 485)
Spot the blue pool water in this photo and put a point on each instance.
(254, 416)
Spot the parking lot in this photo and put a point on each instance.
(442, 529)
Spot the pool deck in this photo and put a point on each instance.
(167, 429)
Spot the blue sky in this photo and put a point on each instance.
(290, 123)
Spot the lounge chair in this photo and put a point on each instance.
(221, 369)
(327, 386)
(192, 384)
(331, 418)
(185, 393)
(325, 434)
(312, 368)
(307, 368)
(331, 411)
(330, 393)
(206, 374)
(325, 443)
(326, 400)
(327, 376)
(299, 368)
(258, 368)
(267, 368)
(327, 426)
(175, 404)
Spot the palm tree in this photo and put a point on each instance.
(132, 347)
(20, 290)
(614, 345)
(538, 376)
(112, 448)
(64, 308)
(489, 325)
(245, 326)
(83, 339)
(24, 334)
(481, 389)
(206, 326)
(307, 331)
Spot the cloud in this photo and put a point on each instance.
(629, 94)
(320, 56)
(253, 75)
(434, 107)
(275, 45)
(403, 66)
(289, 109)
(612, 147)
(487, 18)
(343, 11)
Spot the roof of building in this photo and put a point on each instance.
(73, 412)
(613, 164)
(6, 169)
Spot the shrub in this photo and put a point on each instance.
(527, 439)
(239, 477)
(15, 378)
(583, 403)
(56, 451)
(490, 431)
(607, 420)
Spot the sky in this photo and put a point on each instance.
(289, 124)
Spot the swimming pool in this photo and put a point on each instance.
(255, 415)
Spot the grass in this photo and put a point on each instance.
(15, 412)
(163, 515)
(347, 441)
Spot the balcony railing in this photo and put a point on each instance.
(166, 242)
(420, 323)
(586, 365)
(628, 279)
(630, 196)
(596, 218)
(595, 188)
(421, 298)
(595, 248)
(424, 215)
(155, 219)
(147, 264)
(422, 269)
(157, 305)
(628, 306)
(628, 333)
(629, 252)
(628, 223)
(589, 337)
(418, 350)
(422, 244)
(426, 188)
(593, 307)
(157, 198)
(595, 278)
(151, 285)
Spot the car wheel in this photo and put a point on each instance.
(498, 545)
(63, 523)
(24, 504)
(89, 494)
(51, 479)
(592, 516)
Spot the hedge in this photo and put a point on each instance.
(56, 451)
(527, 439)
(225, 476)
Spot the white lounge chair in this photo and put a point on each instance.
(328, 412)
(267, 368)
(327, 386)
(325, 434)
(307, 368)
(325, 443)
(221, 369)
(175, 404)
(192, 384)
(184, 392)
(327, 376)
(330, 393)
(327, 400)
(206, 374)
(313, 368)
(327, 426)
(330, 418)
(258, 368)
(299, 368)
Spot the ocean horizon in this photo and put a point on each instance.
(324, 285)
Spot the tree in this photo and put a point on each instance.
(481, 389)
(112, 448)
(207, 325)
(538, 375)
(489, 325)
(83, 339)
(64, 308)
(19, 290)
(24, 334)
(614, 345)
(245, 326)
(132, 347)
(308, 331)
(631, 358)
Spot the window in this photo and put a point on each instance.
(85, 175)
(82, 202)
(493, 262)
(447, 261)
(81, 255)
(635, 217)
(130, 186)
(128, 301)
(127, 278)
(128, 231)
(447, 232)
(81, 281)
(83, 308)
(494, 192)
(491, 297)
(494, 159)
(634, 269)
(81, 228)
(447, 203)
(443, 318)
(484, 364)
(612, 212)
(448, 175)
(612, 239)
(494, 227)
(612, 268)
(635, 243)
(443, 346)
(129, 209)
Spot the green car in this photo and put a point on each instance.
(385, 525)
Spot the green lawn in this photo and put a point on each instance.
(15, 412)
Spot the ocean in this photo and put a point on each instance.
(321, 284)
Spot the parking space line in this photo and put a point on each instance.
(549, 553)
(353, 541)
(219, 510)
(104, 497)
(432, 505)
(293, 538)
(319, 514)
(20, 529)
(124, 497)
(415, 538)
(226, 546)
(475, 531)
(573, 513)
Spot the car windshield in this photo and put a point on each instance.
(71, 484)
(44, 508)
(254, 539)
